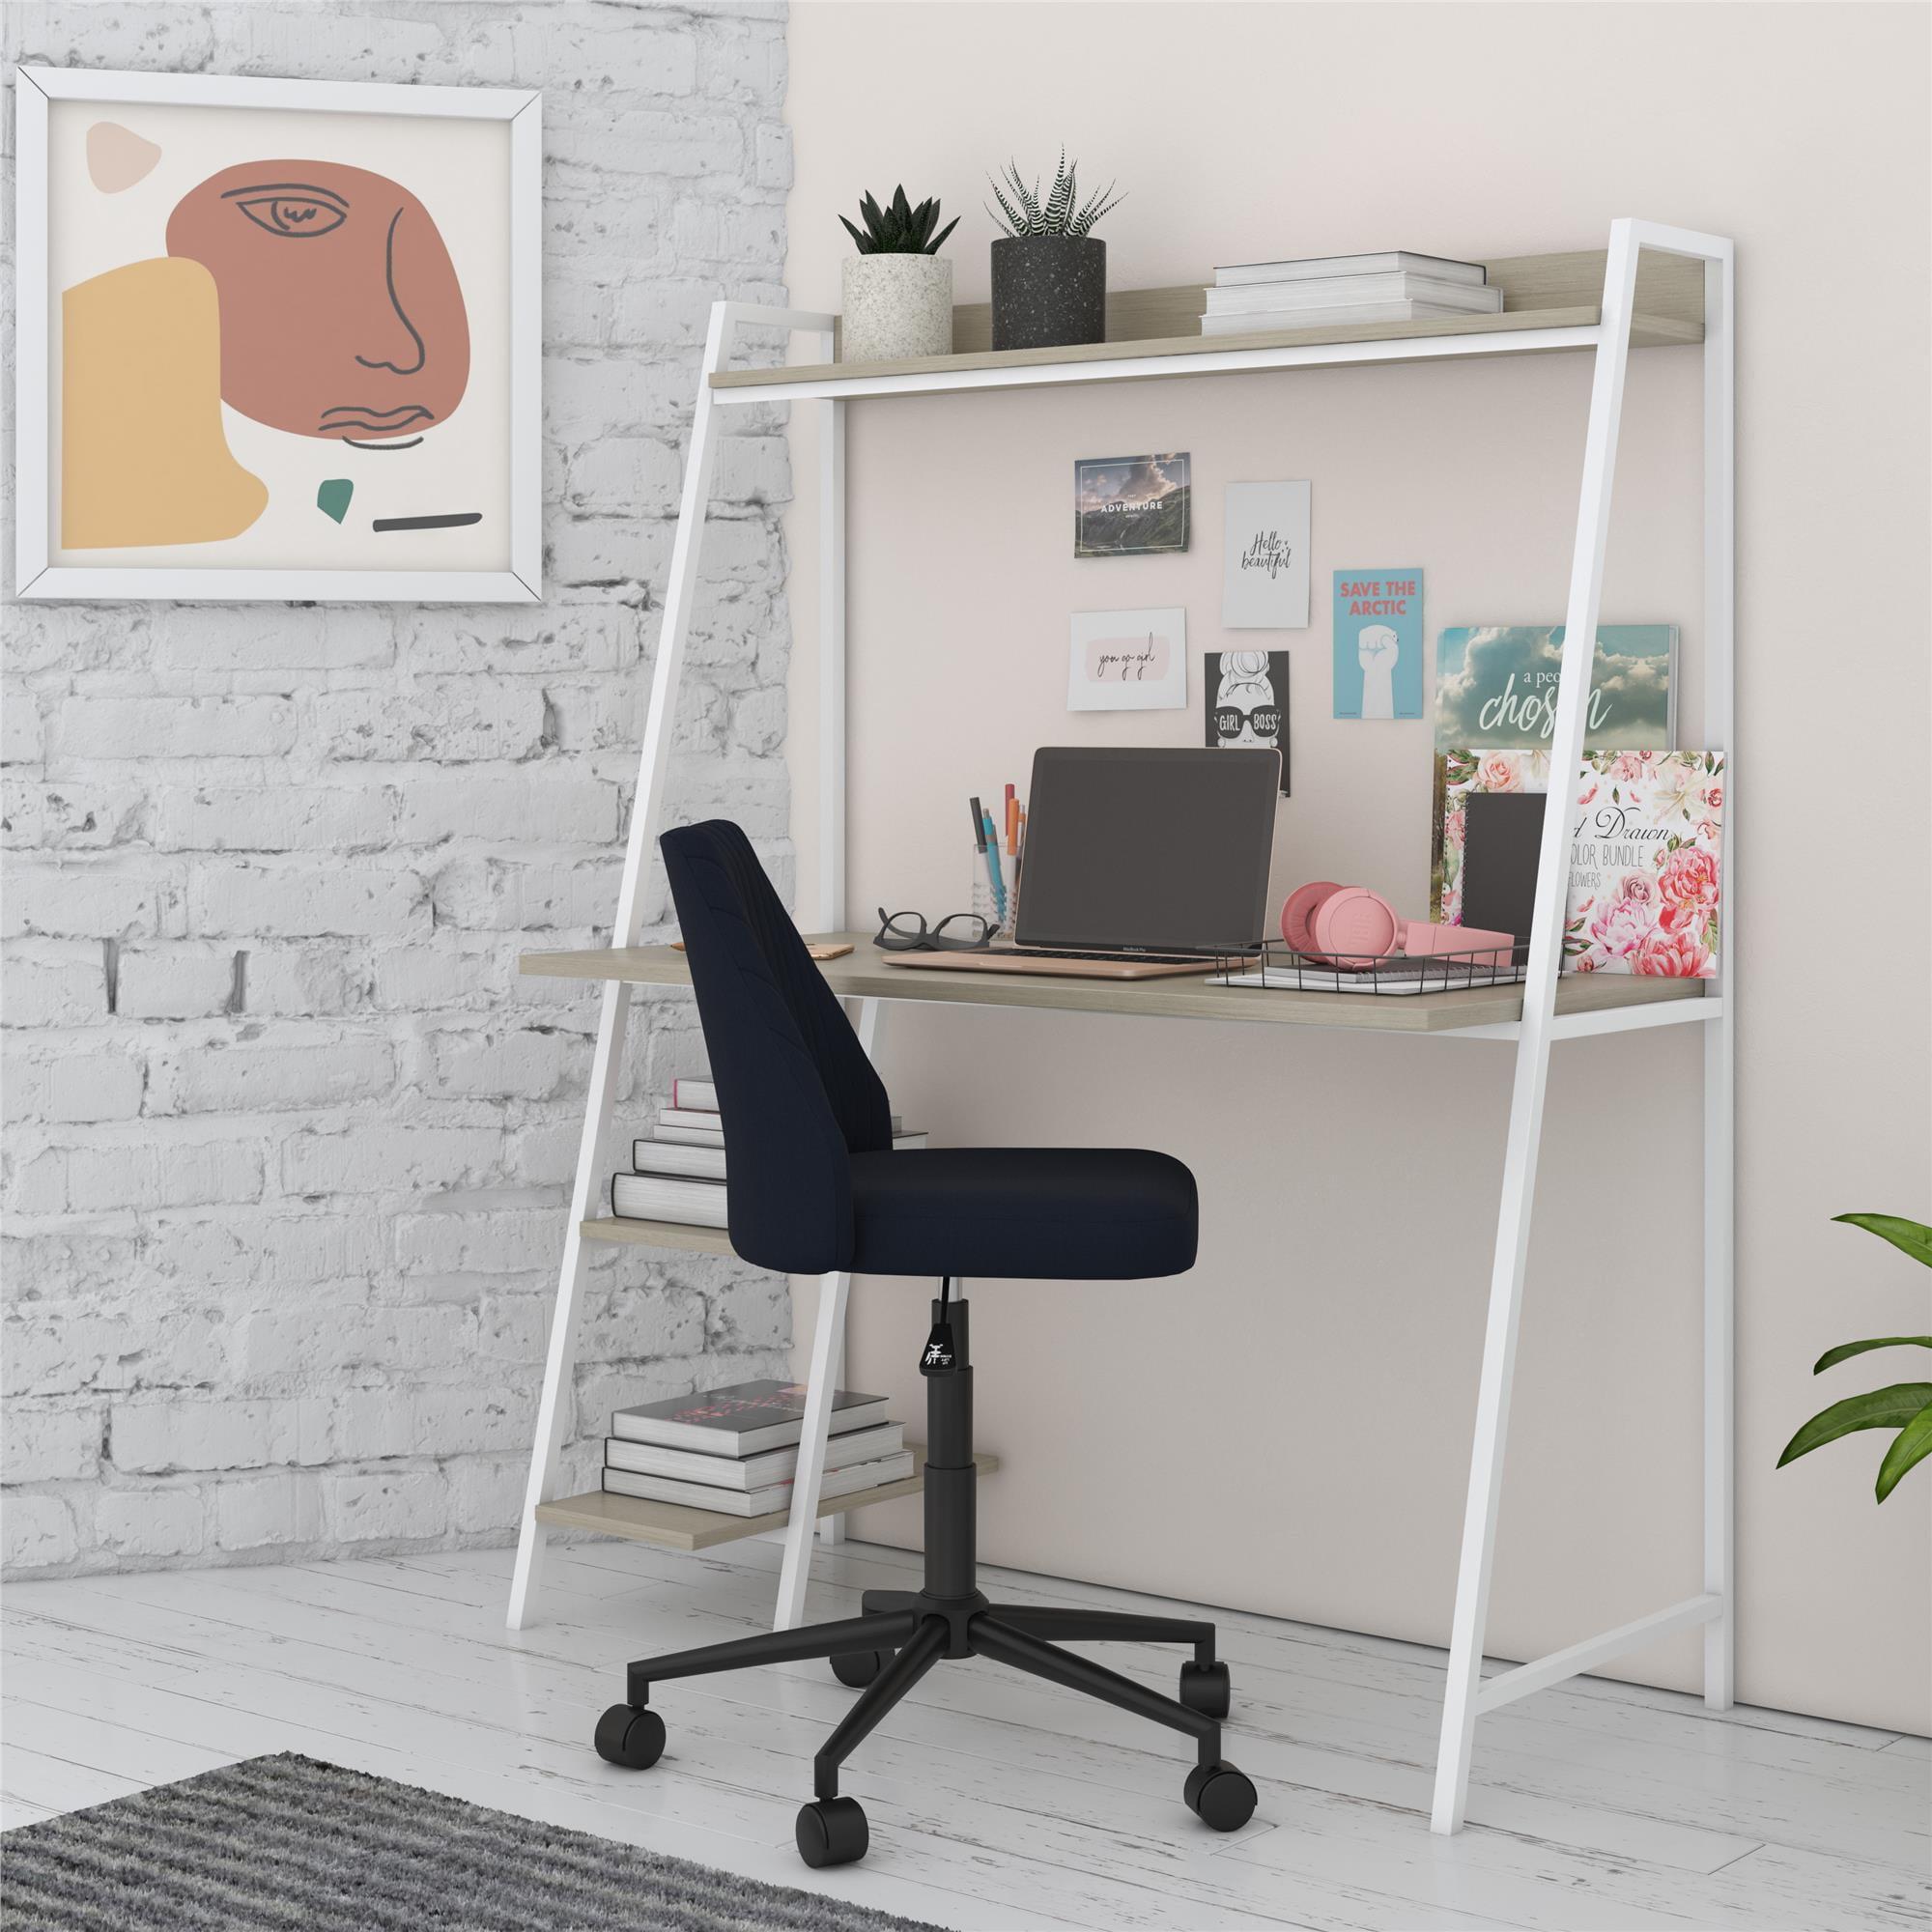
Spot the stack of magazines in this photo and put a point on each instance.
(735, 1449)
(677, 1170)
(1396, 286)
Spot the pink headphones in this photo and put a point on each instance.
(1349, 925)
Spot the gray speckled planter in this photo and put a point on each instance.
(1049, 291)
(895, 306)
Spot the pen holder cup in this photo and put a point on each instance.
(984, 902)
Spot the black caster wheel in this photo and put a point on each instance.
(1220, 1796)
(859, 1667)
(832, 1831)
(1204, 1689)
(630, 1735)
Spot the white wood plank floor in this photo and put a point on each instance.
(995, 1800)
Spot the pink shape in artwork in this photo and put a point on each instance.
(117, 157)
(1133, 660)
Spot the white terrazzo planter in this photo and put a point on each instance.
(895, 306)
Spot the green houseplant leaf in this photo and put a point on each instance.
(1906, 1407)
(1845, 1351)
(1911, 1237)
(1912, 1444)
(898, 228)
(1061, 212)
(1881, 1408)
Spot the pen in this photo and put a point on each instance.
(978, 826)
(993, 871)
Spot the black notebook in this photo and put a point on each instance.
(1501, 833)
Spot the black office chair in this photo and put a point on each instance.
(816, 1187)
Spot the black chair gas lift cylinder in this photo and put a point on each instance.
(816, 1186)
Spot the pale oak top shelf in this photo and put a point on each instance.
(1551, 303)
(861, 975)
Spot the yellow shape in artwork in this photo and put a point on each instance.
(144, 458)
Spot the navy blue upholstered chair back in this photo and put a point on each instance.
(796, 1092)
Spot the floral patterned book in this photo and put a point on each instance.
(1645, 858)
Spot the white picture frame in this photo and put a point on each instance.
(1127, 660)
(38, 574)
(1266, 577)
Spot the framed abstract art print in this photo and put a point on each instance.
(277, 339)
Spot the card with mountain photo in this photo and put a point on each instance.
(1496, 687)
(1130, 505)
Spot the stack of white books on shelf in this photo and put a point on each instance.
(735, 1450)
(1395, 286)
(677, 1171)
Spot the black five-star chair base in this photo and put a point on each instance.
(903, 1633)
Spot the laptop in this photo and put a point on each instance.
(1138, 864)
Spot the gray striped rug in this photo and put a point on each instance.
(288, 1843)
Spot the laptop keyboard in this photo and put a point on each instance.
(1113, 958)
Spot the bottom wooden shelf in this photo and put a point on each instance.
(676, 1527)
(658, 1234)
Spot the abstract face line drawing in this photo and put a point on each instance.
(360, 334)
(390, 279)
(291, 208)
(285, 337)
(228, 290)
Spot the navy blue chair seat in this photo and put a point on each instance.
(1059, 1213)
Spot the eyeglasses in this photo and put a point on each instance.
(1265, 720)
(956, 932)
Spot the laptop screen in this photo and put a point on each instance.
(1152, 851)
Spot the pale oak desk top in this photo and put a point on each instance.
(861, 975)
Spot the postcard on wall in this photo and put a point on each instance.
(1245, 696)
(1379, 643)
(1265, 582)
(1127, 660)
(1496, 687)
(1645, 857)
(1129, 506)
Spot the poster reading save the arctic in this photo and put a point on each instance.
(1379, 643)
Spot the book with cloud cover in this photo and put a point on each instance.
(1496, 687)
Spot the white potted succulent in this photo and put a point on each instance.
(896, 294)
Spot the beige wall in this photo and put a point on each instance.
(1286, 1429)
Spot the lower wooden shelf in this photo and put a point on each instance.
(658, 1234)
(677, 1526)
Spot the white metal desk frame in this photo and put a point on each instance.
(1470, 1694)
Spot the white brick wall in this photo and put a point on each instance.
(288, 1140)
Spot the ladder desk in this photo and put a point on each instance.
(1654, 286)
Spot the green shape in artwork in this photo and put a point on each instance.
(333, 498)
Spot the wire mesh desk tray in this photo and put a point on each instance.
(1279, 967)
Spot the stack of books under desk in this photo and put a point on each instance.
(735, 1450)
(686, 1482)
(710, 1467)
(677, 1171)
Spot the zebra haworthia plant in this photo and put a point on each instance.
(1061, 212)
(900, 228)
